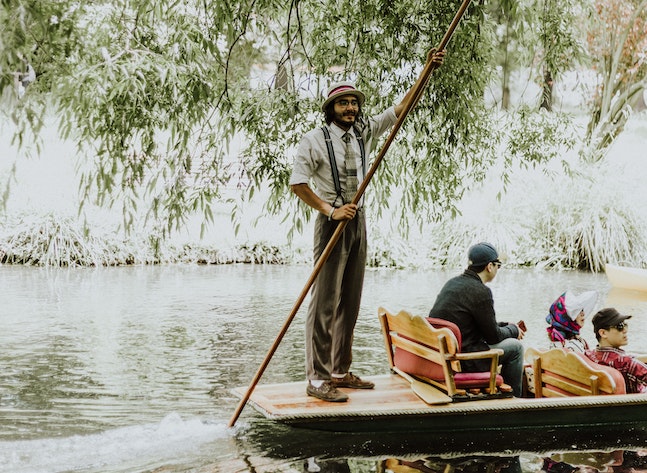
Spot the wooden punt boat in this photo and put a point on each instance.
(393, 407)
(572, 392)
(624, 277)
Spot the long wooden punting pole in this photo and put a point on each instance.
(413, 98)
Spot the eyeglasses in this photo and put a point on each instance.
(621, 326)
(345, 103)
(496, 263)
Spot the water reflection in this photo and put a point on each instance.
(469, 464)
(626, 300)
(616, 461)
(612, 461)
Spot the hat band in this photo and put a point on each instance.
(343, 88)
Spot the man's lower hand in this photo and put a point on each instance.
(345, 212)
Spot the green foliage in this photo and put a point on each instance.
(543, 36)
(155, 93)
(143, 89)
(536, 139)
(142, 100)
(561, 44)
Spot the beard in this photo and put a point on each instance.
(346, 119)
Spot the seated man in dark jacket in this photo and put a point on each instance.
(467, 301)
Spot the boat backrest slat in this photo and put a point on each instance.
(417, 328)
(559, 372)
(417, 348)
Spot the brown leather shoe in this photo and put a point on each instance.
(352, 381)
(326, 392)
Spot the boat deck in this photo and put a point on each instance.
(393, 405)
(289, 400)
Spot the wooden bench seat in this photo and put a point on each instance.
(430, 349)
(559, 373)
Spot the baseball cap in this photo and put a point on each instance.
(482, 254)
(608, 317)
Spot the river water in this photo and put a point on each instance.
(130, 369)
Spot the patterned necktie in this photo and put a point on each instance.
(351, 168)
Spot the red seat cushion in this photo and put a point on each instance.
(418, 366)
(441, 323)
(475, 380)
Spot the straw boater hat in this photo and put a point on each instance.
(342, 88)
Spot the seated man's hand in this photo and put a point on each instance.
(522, 329)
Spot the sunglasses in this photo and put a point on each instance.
(621, 326)
(496, 263)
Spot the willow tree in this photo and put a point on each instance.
(561, 45)
(542, 36)
(617, 43)
(154, 92)
(510, 17)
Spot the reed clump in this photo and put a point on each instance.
(54, 241)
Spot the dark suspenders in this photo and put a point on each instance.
(333, 163)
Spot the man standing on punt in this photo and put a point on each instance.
(334, 158)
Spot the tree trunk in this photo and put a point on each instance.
(282, 80)
(505, 93)
(505, 67)
(547, 91)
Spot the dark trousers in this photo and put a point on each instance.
(335, 298)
